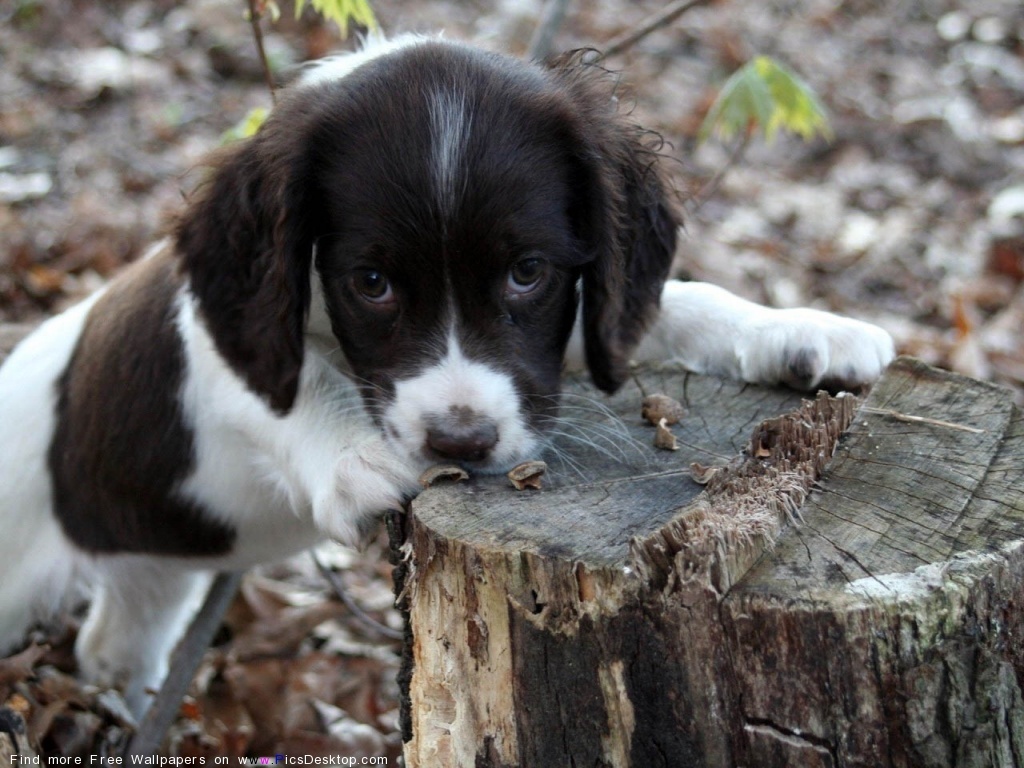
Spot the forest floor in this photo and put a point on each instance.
(912, 217)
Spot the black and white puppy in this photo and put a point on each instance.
(388, 275)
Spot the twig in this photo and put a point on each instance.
(544, 34)
(711, 185)
(255, 16)
(352, 605)
(906, 417)
(666, 16)
(183, 663)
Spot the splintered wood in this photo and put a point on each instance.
(801, 583)
(747, 500)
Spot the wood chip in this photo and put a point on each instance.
(701, 474)
(658, 407)
(527, 475)
(443, 473)
(663, 437)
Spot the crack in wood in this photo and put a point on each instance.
(643, 600)
(793, 737)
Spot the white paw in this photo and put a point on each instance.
(112, 656)
(368, 480)
(807, 349)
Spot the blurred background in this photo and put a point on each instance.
(912, 217)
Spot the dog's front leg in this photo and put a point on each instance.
(337, 462)
(710, 330)
(139, 610)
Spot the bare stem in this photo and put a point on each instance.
(255, 17)
(362, 616)
(658, 20)
(711, 186)
(544, 35)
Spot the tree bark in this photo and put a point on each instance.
(846, 591)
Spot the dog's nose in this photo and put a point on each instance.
(462, 438)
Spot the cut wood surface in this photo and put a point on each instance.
(850, 592)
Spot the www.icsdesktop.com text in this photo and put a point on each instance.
(99, 761)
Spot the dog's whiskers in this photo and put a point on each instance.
(564, 458)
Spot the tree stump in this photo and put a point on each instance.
(846, 588)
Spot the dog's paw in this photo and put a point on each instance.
(367, 481)
(807, 349)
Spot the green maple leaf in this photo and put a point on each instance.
(247, 126)
(342, 12)
(767, 95)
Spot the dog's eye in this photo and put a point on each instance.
(373, 286)
(526, 274)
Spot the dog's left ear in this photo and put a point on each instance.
(246, 245)
(624, 215)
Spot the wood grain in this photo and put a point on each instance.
(804, 608)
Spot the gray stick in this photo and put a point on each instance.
(544, 34)
(186, 657)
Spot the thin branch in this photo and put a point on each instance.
(352, 605)
(544, 34)
(711, 185)
(906, 417)
(255, 16)
(664, 17)
(183, 663)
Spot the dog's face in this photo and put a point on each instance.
(456, 204)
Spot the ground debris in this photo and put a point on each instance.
(292, 672)
(658, 407)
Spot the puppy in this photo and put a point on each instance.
(392, 273)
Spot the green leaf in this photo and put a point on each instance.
(247, 126)
(765, 94)
(342, 12)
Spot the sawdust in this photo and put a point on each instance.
(746, 502)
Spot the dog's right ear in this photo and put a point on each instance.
(624, 213)
(246, 246)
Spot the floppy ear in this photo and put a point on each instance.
(626, 218)
(246, 246)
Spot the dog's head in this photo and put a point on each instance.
(451, 207)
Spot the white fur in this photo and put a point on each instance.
(324, 464)
(139, 608)
(283, 482)
(450, 124)
(456, 381)
(709, 330)
(325, 460)
(375, 45)
(38, 562)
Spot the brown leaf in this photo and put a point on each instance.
(16, 668)
(656, 407)
(663, 437)
(1006, 257)
(443, 473)
(701, 474)
(527, 475)
(965, 315)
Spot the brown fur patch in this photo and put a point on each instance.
(121, 447)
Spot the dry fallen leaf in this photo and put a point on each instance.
(442, 472)
(16, 668)
(663, 437)
(657, 407)
(701, 474)
(527, 475)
